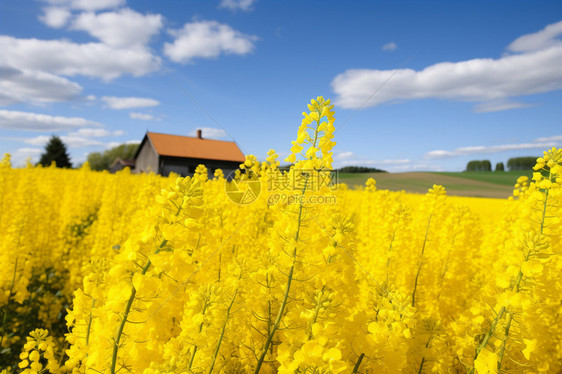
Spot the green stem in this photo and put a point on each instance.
(90, 322)
(124, 320)
(420, 370)
(388, 254)
(128, 310)
(421, 365)
(316, 313)
(287, 288)
(515, 288)
(358, 363)
(207, 302)
(291, 271)
(502, 350)
(421, 262)
(277, 320)
(510, 318)
(222, 332)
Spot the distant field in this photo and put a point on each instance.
(506, 178)
(476, 184)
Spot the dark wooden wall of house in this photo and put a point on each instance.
(186, 166)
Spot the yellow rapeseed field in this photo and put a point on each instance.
(276, 271)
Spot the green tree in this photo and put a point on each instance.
(500, 167)
(476, 165)
(55, 150)
(521, 163)
(103, 160)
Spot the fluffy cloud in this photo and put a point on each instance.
(376, 162)
(541, 143)
(129, 102)
(95, 133)
(343, 156)
(496, 106)
(244, 5)
(124, 28)
(142, 116)
(90, 5)
(209, 133)
(543, 39)
(22, 154)
(68, 58)
(537, 70)
(207, 39)
(115, 144)
(35, 87)
(55, 17)
(389, 46)
(27, 121)
(351, 159)
(555, 138)
(70, 141)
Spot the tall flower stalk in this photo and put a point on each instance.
(316, 135)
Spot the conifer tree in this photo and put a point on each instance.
(55, 150)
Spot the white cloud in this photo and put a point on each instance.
(207, 39)
(343, 156)
(55, 17)
(22, 154)
(389, 46)
(543, 39)
(68, 58)
(91, 5)
(555, 138)
(496, 106)
(79, 142)
(422, 167)
(35, 87)
(143, 116)
(349, 158)
(38, 140)
(393, 161)
(27, 121)
(124, 28)
(70, 141)
(476, 80)
(244, 5)
(209, 133)
(129, 102)
(541, 144)
(363, 162)
(115, 144)
(95, 133)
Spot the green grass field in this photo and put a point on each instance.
(476, 184)
(505, 178)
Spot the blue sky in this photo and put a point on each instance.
(418, 85)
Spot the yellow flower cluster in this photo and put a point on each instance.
(38, 354)
(169, 275)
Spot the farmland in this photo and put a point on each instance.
(148, 274)
(476, 184)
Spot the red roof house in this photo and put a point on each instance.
(165, 153)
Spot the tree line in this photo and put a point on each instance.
(57, 152)
(515, 163)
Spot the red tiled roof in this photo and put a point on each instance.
(191, 147)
